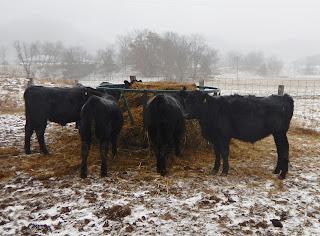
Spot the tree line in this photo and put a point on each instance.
(145, 53)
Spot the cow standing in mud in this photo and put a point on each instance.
(107, 118)
(59, 105)
(165, 123)
(247, 118)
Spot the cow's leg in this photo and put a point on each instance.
(162, 164)
(161, 160)
(114, 144)
(177, 136)
(27, 138)
(282, 144)
(217, 161)
(84, 158)
(40, 136)
(104, 146)
(158, 157)
(224, 150)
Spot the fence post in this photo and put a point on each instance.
(201, 84)
(30, 82)
(280, 89)
(132, 78)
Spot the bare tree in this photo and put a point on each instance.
(255, 62)
(144, 54)
(197, 48)
(106, 61)
(3, 59)
(171, 55)
(77, 63)
(50, 57)
(26, 53)
(183, 57)
(124, 42)
(274, 65)
(234, 59)
(208, 62)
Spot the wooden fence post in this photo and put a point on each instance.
(132, 78)
(201, 84)
(281, 89)
(30, 82)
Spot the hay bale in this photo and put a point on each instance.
(134, 135)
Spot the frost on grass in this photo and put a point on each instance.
(196, 205)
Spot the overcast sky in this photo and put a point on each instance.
(285, 28)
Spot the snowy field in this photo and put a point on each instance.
(134, 200)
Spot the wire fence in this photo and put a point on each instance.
(306, 94)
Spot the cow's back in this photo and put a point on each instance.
(60, 105)
(252, 118)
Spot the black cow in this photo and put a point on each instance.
(59, 105)
(247, 118)
(108, 120)
(165, 123)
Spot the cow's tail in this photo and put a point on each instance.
(87, 119)
(26, 97)
(289, 107)
(158, 113)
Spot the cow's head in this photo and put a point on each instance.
(193, 103)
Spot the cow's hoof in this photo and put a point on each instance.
(45, 152)
(178, 153)
(83, 176)
(276, 171)
(282, 176)
(104, 174)
(163, 172)
(214, 172)
(224, 174)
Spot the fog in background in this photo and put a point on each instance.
(286, 28)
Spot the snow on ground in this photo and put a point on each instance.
(11, 93)
(307, 112)
(11, 129)
(197, 205)
(12, 89)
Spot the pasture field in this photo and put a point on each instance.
(45, 195)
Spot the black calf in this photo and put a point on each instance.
(59, 105)
(108, 120)
(165, 124)
(247, 118)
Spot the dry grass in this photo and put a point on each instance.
(245, 159)
(9, 105)
(58, 82)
